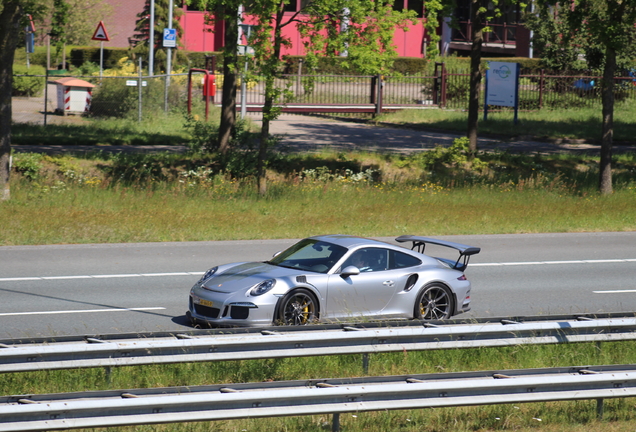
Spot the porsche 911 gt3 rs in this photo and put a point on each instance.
(336, 278)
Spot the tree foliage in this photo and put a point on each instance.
(604, 32)
(142, 28)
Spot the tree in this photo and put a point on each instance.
(477, 11)
(481, 11)
(59, 21)
(361, 29)
(366, 38)
(142, 27)
(13, 16)
(83, 15)
(604, 31)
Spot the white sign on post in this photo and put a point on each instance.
(502, 86)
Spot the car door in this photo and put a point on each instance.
(363, 294)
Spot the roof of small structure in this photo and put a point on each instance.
(72, 82)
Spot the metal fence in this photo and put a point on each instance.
(541, 90)
(313, 341)
(312, 397)
(315, 396)
(122, 97)
(55, 100)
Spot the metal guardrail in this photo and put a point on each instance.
(297, 342)
(311, 397)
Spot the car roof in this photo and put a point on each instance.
(349, 241)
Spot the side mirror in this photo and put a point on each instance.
(349, 271)
(276, 254)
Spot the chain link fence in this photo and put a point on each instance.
(64, 98)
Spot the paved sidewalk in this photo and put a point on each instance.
(310, 133)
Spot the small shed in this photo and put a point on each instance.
(73, 95)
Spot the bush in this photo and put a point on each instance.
(113, 98)
(81, 55)
(27, 85)
(28, 164)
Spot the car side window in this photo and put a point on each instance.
(368, 259)
(401, 260)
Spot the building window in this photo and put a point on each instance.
(412, 5)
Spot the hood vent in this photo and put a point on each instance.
(301, 279)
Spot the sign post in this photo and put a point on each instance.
(29, 31)
(101, 35)
(502, 86)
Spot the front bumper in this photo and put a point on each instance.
(232, 314)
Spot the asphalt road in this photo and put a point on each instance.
(98, 289)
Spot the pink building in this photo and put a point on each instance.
(198, 35)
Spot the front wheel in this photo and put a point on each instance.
(435, 302)
(298, 307)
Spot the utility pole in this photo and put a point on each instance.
(151, 40)
(168, 62)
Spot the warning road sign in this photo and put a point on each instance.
(100, 33)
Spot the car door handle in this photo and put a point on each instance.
(388, 283)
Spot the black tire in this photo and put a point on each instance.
(298, 307)
(434, 302)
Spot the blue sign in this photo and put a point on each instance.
(169, 38)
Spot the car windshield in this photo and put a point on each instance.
(311, 255)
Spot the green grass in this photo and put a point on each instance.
(164, 130)
(167, 197)
(584, 123)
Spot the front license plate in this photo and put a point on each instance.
(207, 303)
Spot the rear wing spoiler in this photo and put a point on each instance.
(465, 251)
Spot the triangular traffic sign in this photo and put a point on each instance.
(100, 33)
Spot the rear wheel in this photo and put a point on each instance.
(298, 307)
(435, 302)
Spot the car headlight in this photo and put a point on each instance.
(208, 274)
(263, 287)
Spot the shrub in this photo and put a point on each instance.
(113, 98)
(27, 85)
(28, 164)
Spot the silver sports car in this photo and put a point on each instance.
(335, 278)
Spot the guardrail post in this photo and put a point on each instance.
(365, 363)
(335, 424)
(599, 408)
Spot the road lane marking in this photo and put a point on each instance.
(615, 291)
(130, 275)
(81, 311)
(135, 275)
(503, 264)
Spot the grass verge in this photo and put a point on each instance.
(581, 123)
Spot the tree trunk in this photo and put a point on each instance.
(9, 34)
(475, 75)
(230, 71)
(261, 169)
(268, 107)
(605, 178)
